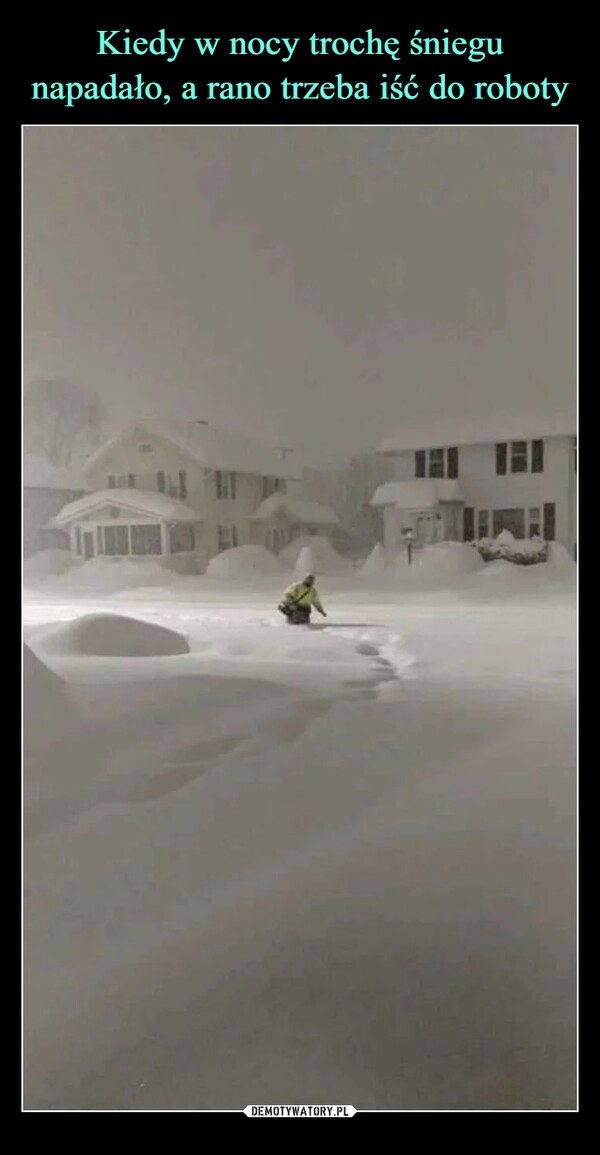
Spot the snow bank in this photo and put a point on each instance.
(440, 562)
(325, 559)
(44, 564)
(111, 635)
(376, 563)
(243, 561)
(48, 715)
(560, 564)
(107, 575)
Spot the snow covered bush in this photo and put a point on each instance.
(528, 551)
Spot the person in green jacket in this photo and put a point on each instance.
(299, 600)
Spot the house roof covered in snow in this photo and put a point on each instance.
(211, 447)
(418, 494)
(304, 512)
(478, 432)
(129, 500)
(39, 473)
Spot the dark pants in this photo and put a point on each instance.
(296, 615)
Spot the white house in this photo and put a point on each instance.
(282, 517)
(476, 483)
(178, 491)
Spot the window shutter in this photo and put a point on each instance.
(537, 457)
(420, 463)
(501, 458)
(453, 462)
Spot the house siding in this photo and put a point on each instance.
(163, 456)
(484, 489)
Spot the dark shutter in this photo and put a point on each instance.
(420, 463)
(111, 481)
(549, 521)
(453, 462)
(468, 523)
(160, 481)
(501, 457)
(232, 486)
(131, 480)
(182, 484)
(537, 456)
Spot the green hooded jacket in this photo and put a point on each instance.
(299, 594)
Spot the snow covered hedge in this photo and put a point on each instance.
(530, 551)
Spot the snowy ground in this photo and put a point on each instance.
(292, 866)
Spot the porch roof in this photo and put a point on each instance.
(423, 493)
(133, 501)
(302, 512)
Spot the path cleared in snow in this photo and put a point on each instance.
(326, 865)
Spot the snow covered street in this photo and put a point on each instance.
(306, 866)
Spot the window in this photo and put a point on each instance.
(436, 462)
(161, 483)
(483, 523)
(182, 538)
(518, 457)
(131, 481)
(537, 456)
(549, 521)
(146, 539)
(512, 520)
(78, 541)
(182, 484)
(113, 540)
(226, 485)
(468, 524)
(535, 523)
(223, 538)
(523, 459)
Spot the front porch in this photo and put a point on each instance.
(133, 524)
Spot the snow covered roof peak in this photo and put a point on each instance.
(136, 500)
(212, 447)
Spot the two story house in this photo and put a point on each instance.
(481, 482)
(180, 492)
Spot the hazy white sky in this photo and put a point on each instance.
(311, 286)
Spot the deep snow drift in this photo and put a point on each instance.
(112, 635)
(314, 865)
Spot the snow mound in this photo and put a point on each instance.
(242, 561)
(325, 559)
(111, 574)
(305, 563)
(445, 559)
(48, 715)
(111, 635)
(375, 564)
(44, 564)
(560, 564)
